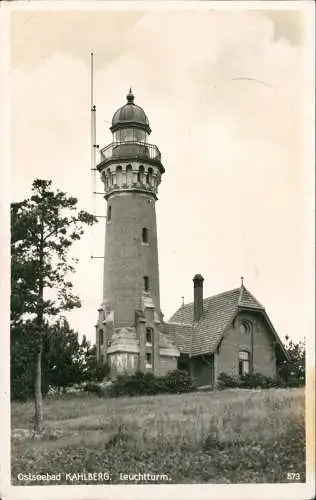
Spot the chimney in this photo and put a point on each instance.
(198, 296)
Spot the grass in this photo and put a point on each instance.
(233, 436)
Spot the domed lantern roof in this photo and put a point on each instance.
(130, 115)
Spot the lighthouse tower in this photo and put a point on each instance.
(130, 332)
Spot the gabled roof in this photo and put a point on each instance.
(180, 334)
(218, 313)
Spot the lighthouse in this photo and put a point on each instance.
(130, 333)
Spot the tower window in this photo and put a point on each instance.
(149, 336)
(109, 213)
(149, 177)
(146, 283)
(145, 235)
(149, 362)
(129, 175)
(141, 174)
(101, 337)
(119, 176)
(243, 363)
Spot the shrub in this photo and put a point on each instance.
(140, 384)
(226, 381)
(95, 388)
(177, 381)
(257, 380)
(248, 381)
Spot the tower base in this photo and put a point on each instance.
(141, 347)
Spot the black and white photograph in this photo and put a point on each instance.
(157, 247)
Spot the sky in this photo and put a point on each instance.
(225, 94)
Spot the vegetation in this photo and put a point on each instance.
(65, 360)
(231, 436)
(291, 372)
(139, 384)
(43, 229)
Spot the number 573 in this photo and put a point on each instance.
(293, 476)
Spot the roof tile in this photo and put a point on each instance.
(218, 311)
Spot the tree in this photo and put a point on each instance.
(64, 357)
(292, 371)
(23, 357)
(94, 370)
(43, 228)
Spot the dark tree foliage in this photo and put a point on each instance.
(93, 370)
(23, 358)
(43, 229)
(292, 371)
(63, 358)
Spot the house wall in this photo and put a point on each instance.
(165, 365)
(264, 361)
(202, 370)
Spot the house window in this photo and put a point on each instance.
(109, 213)
(101, 337)
(149, 363)
(145, 235)
(146, 283)
(245, 327)
(149, 336)
(243, 363)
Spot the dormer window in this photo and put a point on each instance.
(145, 235)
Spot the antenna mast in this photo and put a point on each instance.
(93, 134)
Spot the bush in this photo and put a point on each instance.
(95, 388)
(226, 381)
(248, 381)
(140, 384)
(177, 381)
(257, 380)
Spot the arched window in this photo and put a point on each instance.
(145, 235)
(243, 362)
(245, 327)
(149, 177)
(141, 174)
(129, 175)
(149, 336)
(119, 176)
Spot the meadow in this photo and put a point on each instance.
(231, 436)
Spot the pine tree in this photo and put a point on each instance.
(43, 228)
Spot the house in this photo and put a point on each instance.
(230, 332)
